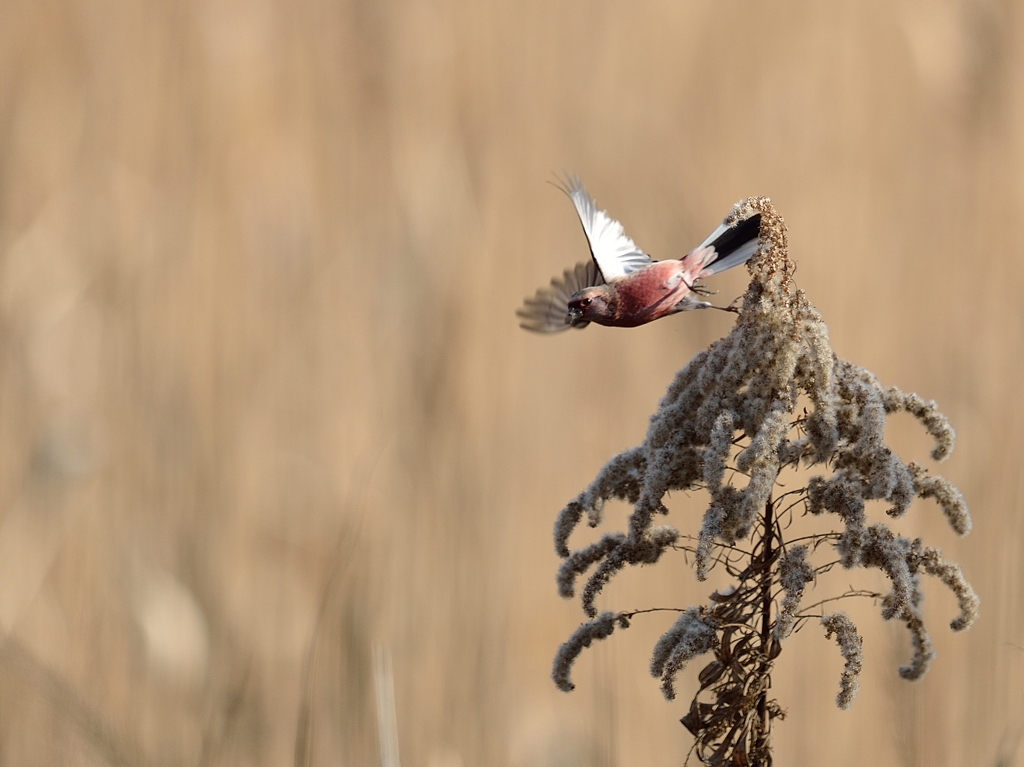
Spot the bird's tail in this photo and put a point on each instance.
(734, 243)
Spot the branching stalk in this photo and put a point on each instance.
(733, 413)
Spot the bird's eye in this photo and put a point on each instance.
(585, 301)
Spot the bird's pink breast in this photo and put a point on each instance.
(649, 294)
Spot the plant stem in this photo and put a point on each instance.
(766, 620)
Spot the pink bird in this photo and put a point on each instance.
(623, 286)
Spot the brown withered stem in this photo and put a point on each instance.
(770, 396)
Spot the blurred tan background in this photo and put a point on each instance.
(264, 404)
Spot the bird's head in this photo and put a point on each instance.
(590, 305)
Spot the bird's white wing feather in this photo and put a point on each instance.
(737, 257)
(547, 312)
(735, 242)
(616, 254)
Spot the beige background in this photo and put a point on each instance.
(264, 402)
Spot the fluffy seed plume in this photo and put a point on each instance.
(599, 628)
(692, 635)
(851, 648)
(795, 572)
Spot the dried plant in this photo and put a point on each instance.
(770, 396)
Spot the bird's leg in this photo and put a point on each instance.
(730, 308)
(700, 290)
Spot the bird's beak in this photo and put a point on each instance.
(574, 316)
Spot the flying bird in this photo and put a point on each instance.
(623, 286)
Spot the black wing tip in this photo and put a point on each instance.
(737, 235)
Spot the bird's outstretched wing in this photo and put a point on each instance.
(547, 312)
(615, 254)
